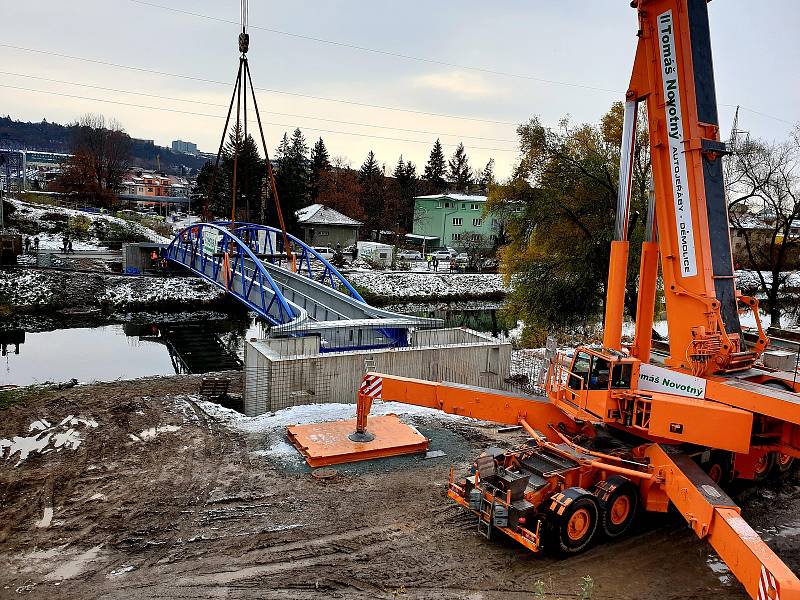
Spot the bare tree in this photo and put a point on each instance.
(764, 185)
(101, 153)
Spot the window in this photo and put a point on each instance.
(447, 205)
(463, 206)
(475, 206)
(455, 237)
(457, 222)
(438, 205)
(477, 222)
(495, 222)
(598, 380)
(580, 371)
(621, 377)
(476, 237)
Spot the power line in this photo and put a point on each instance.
(385, 52)
(261, 89)
(281, 114)
(763, 114)
(186, 112)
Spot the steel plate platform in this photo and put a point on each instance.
(324, 444)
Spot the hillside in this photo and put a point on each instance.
(54, 137)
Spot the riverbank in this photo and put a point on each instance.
(32, 291)
(381, 288)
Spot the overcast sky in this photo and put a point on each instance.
(588, 44)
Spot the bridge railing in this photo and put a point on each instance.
(216, 254)
(308, 262)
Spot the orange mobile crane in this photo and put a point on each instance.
(617, 434)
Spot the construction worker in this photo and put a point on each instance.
(428, 261)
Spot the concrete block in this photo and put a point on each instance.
(783, 360)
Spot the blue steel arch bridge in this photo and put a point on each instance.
(303, 296)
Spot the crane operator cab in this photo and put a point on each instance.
(583, 387)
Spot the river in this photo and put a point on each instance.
(100, 349)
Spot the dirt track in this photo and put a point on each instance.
(195, 511)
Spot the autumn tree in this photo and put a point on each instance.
(560, 205)
(436, 169)
(459, 171)
(341, 190)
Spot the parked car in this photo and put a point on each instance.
(442, 255)
(409, 254)
(325, 252)
(462, 259)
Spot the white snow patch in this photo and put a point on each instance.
(48, 438)
(152, 432)
(275, 424)
(121, 571)
(46, 519)
(316, 413)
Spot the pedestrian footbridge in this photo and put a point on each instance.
(305, 296)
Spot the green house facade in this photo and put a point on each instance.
(453, 220)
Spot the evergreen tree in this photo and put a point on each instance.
(291, 177)
(487, 177)
(436, 169)
(320, 164)
(460, 173)
(406, 175)
(369, 169)
(250, 174)
(373, 190)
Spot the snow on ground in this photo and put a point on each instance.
(36, 212)
(150, 433)
(26, 288)
(315, 413)
(404, 284)
(46, 438)
(750, 279)
(122, 292)
(53, 241)
(273, 425)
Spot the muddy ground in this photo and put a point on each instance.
(157, 499)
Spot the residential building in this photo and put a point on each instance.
(148, 188)
(453, 220)
(184, 147)
(324, 226)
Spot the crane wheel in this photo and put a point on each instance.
(784, 464)
(718, 467)
(764, 466)
(619, 500)
(575, 528)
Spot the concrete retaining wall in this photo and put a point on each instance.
(288, 372)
